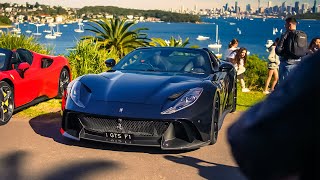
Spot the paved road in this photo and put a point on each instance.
(34, 149)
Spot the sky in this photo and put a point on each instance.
(159, 4)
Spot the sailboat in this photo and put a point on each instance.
(37, 33)
(217, 44)
(17, 29)
(80, 29)
(274, 32)
(202, 38)
(58, 33)
(28, 31)
(51, 35)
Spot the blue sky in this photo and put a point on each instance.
(158, 4)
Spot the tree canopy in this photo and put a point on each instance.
(162, 15)
(116, 35)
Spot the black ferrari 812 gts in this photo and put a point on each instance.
(168, 97)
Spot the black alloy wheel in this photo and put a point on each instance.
(64, 80)
(7, 102)
(234, 96)
(215, 119)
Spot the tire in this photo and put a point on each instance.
(6, 102)
(64, 80)
(215, 119)
(234, 100)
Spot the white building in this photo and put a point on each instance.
(59, 19)
(108, 16)
(305, 7)
(8, 9)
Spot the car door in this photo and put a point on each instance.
(221, 77)
(28, 81)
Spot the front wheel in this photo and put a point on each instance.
(64, 80)
(234, 96)
(7, 102)
(215, 119)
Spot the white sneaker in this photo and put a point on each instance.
(245, 90)
(266, 92)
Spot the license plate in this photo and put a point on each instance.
(124, 136)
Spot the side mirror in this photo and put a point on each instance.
(110, 62)
(23, 66)
(224, 67)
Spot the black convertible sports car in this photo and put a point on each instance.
(173, 98)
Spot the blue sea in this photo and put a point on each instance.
(254, 33)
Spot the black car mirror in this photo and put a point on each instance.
(110, 62)
(225, 67)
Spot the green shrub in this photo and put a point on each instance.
(88, 58)
(12, 41)
(5, 20)
(256, 72)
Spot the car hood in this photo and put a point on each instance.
(141, 88)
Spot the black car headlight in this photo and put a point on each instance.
(79, 93)
(186, 100)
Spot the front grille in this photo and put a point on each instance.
(135, 127)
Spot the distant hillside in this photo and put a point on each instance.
(308, 16)
(162, 15)
(4, 20)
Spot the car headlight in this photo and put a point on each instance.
(79, 94)
(189, 98)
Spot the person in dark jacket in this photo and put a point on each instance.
(285, 48)
(277, 139)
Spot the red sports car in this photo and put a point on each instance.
(27, 78)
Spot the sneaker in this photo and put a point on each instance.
(266, 92)
(245, 90)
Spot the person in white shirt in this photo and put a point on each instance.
(229, 53)
(273, 68)
(239, 62)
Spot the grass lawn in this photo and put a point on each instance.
(53, 105)
(245, 101)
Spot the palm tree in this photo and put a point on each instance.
(116, 36)
(172, 42)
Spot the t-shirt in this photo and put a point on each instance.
(229, 53)
(240, 67)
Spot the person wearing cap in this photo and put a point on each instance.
(288, 58)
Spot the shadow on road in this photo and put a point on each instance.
(48, 125)
(208, 170)
(12, 164)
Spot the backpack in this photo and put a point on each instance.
(296, 46)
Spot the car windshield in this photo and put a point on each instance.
(4, 55)
(181, 60)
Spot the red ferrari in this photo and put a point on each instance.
(27, 78)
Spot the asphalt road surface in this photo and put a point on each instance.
(34, 149)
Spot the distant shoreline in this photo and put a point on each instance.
(5, 26)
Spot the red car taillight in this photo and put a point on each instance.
(63, 100)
